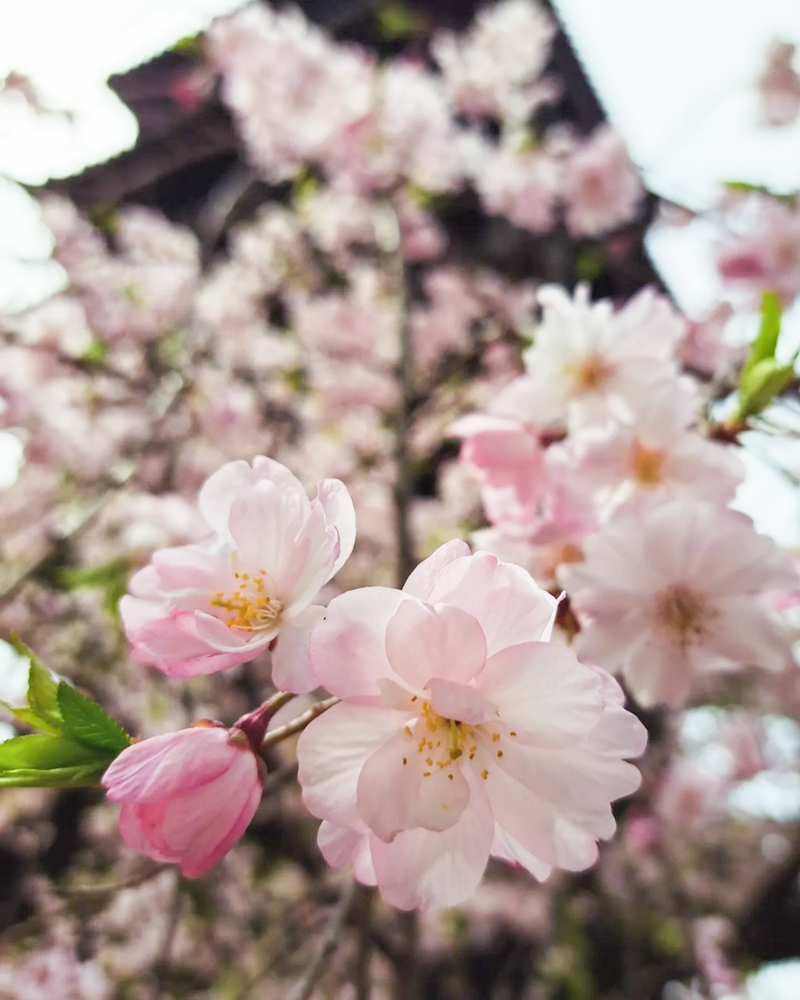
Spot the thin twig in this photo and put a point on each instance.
(330, 940)
(403, 480)
(299, 724)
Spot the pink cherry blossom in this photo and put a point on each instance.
(520, 184)
(587, 357)
(779, 86)
(187, 797)
(493, 68)
(767, 255)
(600, 185)
(503, 453)
(675, 592)
(650, 453)
(201, 608)
(462, 733)
(290, 87)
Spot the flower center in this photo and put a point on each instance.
(682, 611)
(589, 374)
(442, 742)
(647, 465)
(250, 606)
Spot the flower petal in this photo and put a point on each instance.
(422, 579)
(443, 642)
(427, 869)
(543, 691)
(331, 752)
(507, 603)
(398, 790)
(348, 648)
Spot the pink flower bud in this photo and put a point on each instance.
(188, 796)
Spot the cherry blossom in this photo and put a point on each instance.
(587, 357)
(187, 797)
(600, 185)
(200, 608)
(493, 69)
(674, 592)
(462, 733)
(649, 453)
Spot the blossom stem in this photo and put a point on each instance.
(299, 724)
(254, 724)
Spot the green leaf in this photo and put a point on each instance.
(40, 752)
(766, 340)
(396, 22)
(42, 693)
(763, 382)
(88, 723)
(105, 575)
(76, 776)
(50, 762)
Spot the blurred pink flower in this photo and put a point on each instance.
(462, 733)
(779, 86)
(675, 591)
(600, 186)
(201, 608)
(520, 184)
(650, 454)
(768, 257)
(493, 68)
(187, 797)
(503, 453)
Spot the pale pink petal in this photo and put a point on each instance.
(291, 658)
(172, 646)
(331, 752)
(398, 790)
(421, 868)
(423, 578)
(461, 702)
(533, 822)
(577, 781)
(264, 523)
(348, 648)
(218, 636)
(507, 849)
(310, 562)
(659, 671)
(340, 514)
(341, 846)
(223, 488)
(424, 642)
(543, 691)
(745, 632)
(504, 598)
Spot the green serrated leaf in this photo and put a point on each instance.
(88, 723)
(763, 382)
(44, 753)
(766, 341)
(42, 688)
(76, 776)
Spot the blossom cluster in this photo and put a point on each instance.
(596, 475)
(460, 731)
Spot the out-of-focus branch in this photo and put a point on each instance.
(330, 941)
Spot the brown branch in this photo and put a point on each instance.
(330, 941)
